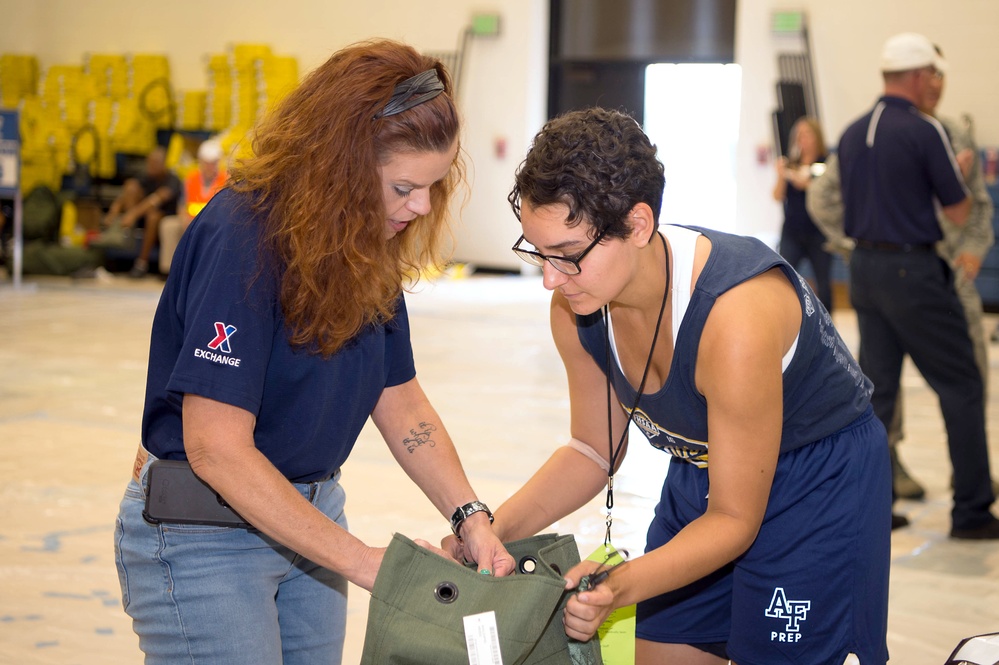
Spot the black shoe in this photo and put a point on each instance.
(988, 531)
(898, 521)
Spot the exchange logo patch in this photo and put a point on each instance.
(222, 335)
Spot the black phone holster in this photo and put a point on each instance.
(176, 495)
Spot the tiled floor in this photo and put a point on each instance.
(72, 372)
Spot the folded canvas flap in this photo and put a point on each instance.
(420, 600)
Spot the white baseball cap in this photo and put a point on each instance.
(210, 151)
(910, 50)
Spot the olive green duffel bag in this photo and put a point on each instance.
(420, 601)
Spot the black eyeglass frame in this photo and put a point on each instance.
(560, 263)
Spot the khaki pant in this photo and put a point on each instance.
(170, 231)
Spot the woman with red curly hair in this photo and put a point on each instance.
(281, 329)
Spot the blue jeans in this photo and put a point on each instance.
(219, 595)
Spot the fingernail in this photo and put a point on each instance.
(484, 571)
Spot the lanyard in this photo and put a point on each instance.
(614, 452)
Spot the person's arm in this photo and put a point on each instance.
(738, 371)
(958, 212)
(118, 204)
(972, 241)
(218, 440)
(569, 479)
(946, 176)
(780, 187)
(824, 203)
(164, 194)
(161, 195)
(421, 445)
(977, 236)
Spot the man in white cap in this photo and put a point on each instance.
(897, 168)
(200, 186)
(964, 248)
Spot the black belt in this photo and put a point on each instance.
(893, 247)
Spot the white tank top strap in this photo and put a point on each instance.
(682, 242)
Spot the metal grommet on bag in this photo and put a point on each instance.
(527, 565)
(446, 592)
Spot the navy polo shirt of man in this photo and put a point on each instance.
(897, 167)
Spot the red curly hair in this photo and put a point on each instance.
(314, 179)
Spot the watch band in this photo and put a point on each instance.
(464, 512)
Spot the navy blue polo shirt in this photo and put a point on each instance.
(219, 332)
(896, 167)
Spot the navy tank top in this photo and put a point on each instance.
(824, 389)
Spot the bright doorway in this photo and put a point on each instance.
(692, 116)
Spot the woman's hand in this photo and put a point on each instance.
(373, 558)
(586, 610)
(480, 544)
(436, 550)
(454, 547)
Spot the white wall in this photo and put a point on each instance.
(846, 39)
(503, 81)
(503, 95)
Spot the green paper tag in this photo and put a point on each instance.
(617, 633)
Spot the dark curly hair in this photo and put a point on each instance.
(598, 162)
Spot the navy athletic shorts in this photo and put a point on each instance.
(813, 587)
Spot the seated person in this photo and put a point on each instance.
(149, 197)
(200, 186)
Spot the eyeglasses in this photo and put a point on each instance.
(564, 264)
(934, 73)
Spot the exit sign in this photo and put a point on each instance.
(788, 22)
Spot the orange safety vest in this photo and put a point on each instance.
(197, 193)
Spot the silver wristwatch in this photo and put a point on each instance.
(464, 512)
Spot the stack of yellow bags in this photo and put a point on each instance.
(245, 60)
(49, 122)
(149, 85)
(191, 106)
(110, 76)
(277, 76)
(218, 100)
(260, 79)
(18, 78)
(42, 137)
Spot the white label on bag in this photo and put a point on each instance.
(482, 639)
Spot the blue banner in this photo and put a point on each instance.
(10, 153)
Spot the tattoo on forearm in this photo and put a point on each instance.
(420, 437)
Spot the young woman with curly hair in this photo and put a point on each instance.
(771, 540)
(281, 329)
